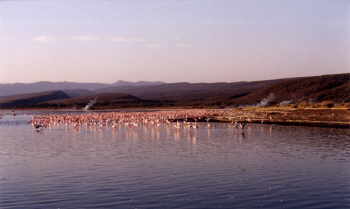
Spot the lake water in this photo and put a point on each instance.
(267, 166)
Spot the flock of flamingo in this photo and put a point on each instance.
(177, 118)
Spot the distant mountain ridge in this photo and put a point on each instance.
(314, 89)
(187, 92)
(25, 88)
(138, 83)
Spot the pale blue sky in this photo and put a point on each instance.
(172, 40)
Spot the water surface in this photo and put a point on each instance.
(267, 166)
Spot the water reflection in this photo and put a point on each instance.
(266, 166)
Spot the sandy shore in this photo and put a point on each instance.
(321, 117)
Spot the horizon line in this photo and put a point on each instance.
(165, 82)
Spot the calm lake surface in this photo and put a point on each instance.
(269, 166)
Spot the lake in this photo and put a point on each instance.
(266, 166)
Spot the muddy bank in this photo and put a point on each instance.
(320, 117)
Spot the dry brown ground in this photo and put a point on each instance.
(329, 117)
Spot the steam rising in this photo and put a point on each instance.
(266, 101)
(286, 102)
(90, 104)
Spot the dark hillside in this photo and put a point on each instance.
(29, 100)
(191, 92)
(100, 100)
(78, 92)
(335, 88)
(316, 89)
(26, 88)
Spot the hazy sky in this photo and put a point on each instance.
(172, 40)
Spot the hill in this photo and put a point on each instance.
(78, 92)
(138, 83)
(191, 92)
(108, 100)
(26, 88)
(316, 89)
(29, 100)
(289, 90)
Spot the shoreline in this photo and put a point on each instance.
(313, 117)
